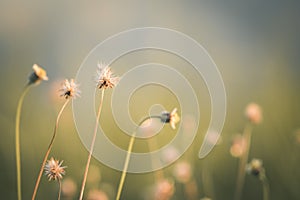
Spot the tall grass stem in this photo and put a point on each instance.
(129, 151)
(59, 191)
(48, 150)
(17, 141)
(266, 188)
(92, 147)
(243, 161)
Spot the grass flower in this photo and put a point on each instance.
(165, 117)
(70, 90)
(255, 168)
(105, 79)
(38, 75)
(170, 117)
(55, 171)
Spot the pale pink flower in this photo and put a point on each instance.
(238, 146)
(182, 172)
(253, 113)
(164, 189)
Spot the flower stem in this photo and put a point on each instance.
(266, 187)
(243, 161)
(17, 142)
(59, 191)
(129, 150)
(48, 150)
(91, 148)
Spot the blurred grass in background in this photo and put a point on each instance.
(255, 44)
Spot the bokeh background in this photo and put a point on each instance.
(255, 45)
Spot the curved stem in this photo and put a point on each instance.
(17, 141)
(243, 161)
(48, 150)
(129, 150)
(91, 148)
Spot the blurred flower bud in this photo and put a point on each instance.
(238, 146)
(253, 113)
(97, 195)
(182, 172)
(255, 167)
(170, 154)
(68, 188)
(164, 189)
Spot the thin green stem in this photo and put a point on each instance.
(243, 161)
(48, 150)
(91, 148)
(129, 151)
(17, 142)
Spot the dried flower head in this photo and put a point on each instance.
(54, 170)
(38, 75)
(255, 167)
(69, 89)
(105, 78)
(172, 118)
(253, 113)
